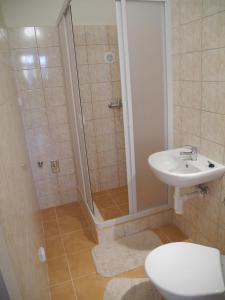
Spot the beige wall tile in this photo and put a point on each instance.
(99, 73)
(190, 94)
(211, 7)
(85, 92)
(190, 66)
(190, 139)
(42, 93)
(175, 12)
(191, 120)
(83, 74)
(115, 72)
(87, 111)
(176, 40)
(213, 65)
(190, 10)
(79, 33)
(81, 55)
(212, 150)
(96, 35)
(21, 231)
(199, 115)
(101, 91)
(112, 35)
(176, 66)
(96, 53)
(213, 34)
(100, 84)
(212, 127)
(213, 97)
(190, 36)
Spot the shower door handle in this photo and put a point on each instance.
(117, 104)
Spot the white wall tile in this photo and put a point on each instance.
(52, 77)
(55, 96)
(32, 99)
(49, 57)
(28, 79)
(47, 36)
(22, 37)
(25, 59)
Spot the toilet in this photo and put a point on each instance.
(187, 271)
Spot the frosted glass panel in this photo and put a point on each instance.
(145, 26)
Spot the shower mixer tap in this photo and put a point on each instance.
(115, 104)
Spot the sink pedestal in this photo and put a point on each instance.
(201, 191)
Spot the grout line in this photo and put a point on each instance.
(60, 283)
(67, 260)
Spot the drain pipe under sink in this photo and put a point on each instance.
(201, 191)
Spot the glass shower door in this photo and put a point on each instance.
(96, 45)
(74, 104)
(143, 43)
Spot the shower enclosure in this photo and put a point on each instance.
(115, 130)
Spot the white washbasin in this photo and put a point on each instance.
(170, 168)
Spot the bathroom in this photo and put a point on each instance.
(91, 93)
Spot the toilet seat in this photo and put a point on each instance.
(186, 269)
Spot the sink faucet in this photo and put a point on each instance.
(192, 152)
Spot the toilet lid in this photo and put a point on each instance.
(186, 269)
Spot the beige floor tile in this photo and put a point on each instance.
(104, 202)
(110, 212)
(58, 270)
(68, 224)
(121, 198)
(91, 287)
(173, 233)
(63, 291)
(78, 240)
(81, 264)
(48, 214)
(124, 208)
(54, 247)
(70, 209)
(51, 228)
(116, 191)
(161, 235)
(97, 195)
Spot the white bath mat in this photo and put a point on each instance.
(131, 289)
(124, 254)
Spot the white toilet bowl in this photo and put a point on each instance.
(187, 271)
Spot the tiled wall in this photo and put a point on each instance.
(40, 84)
(20, 227)
(198, 30)
(99, 85)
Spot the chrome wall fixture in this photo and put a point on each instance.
(115, 104)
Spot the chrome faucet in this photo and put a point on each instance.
(192, 152)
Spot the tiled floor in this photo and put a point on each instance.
(112, 203)
(72, 273)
